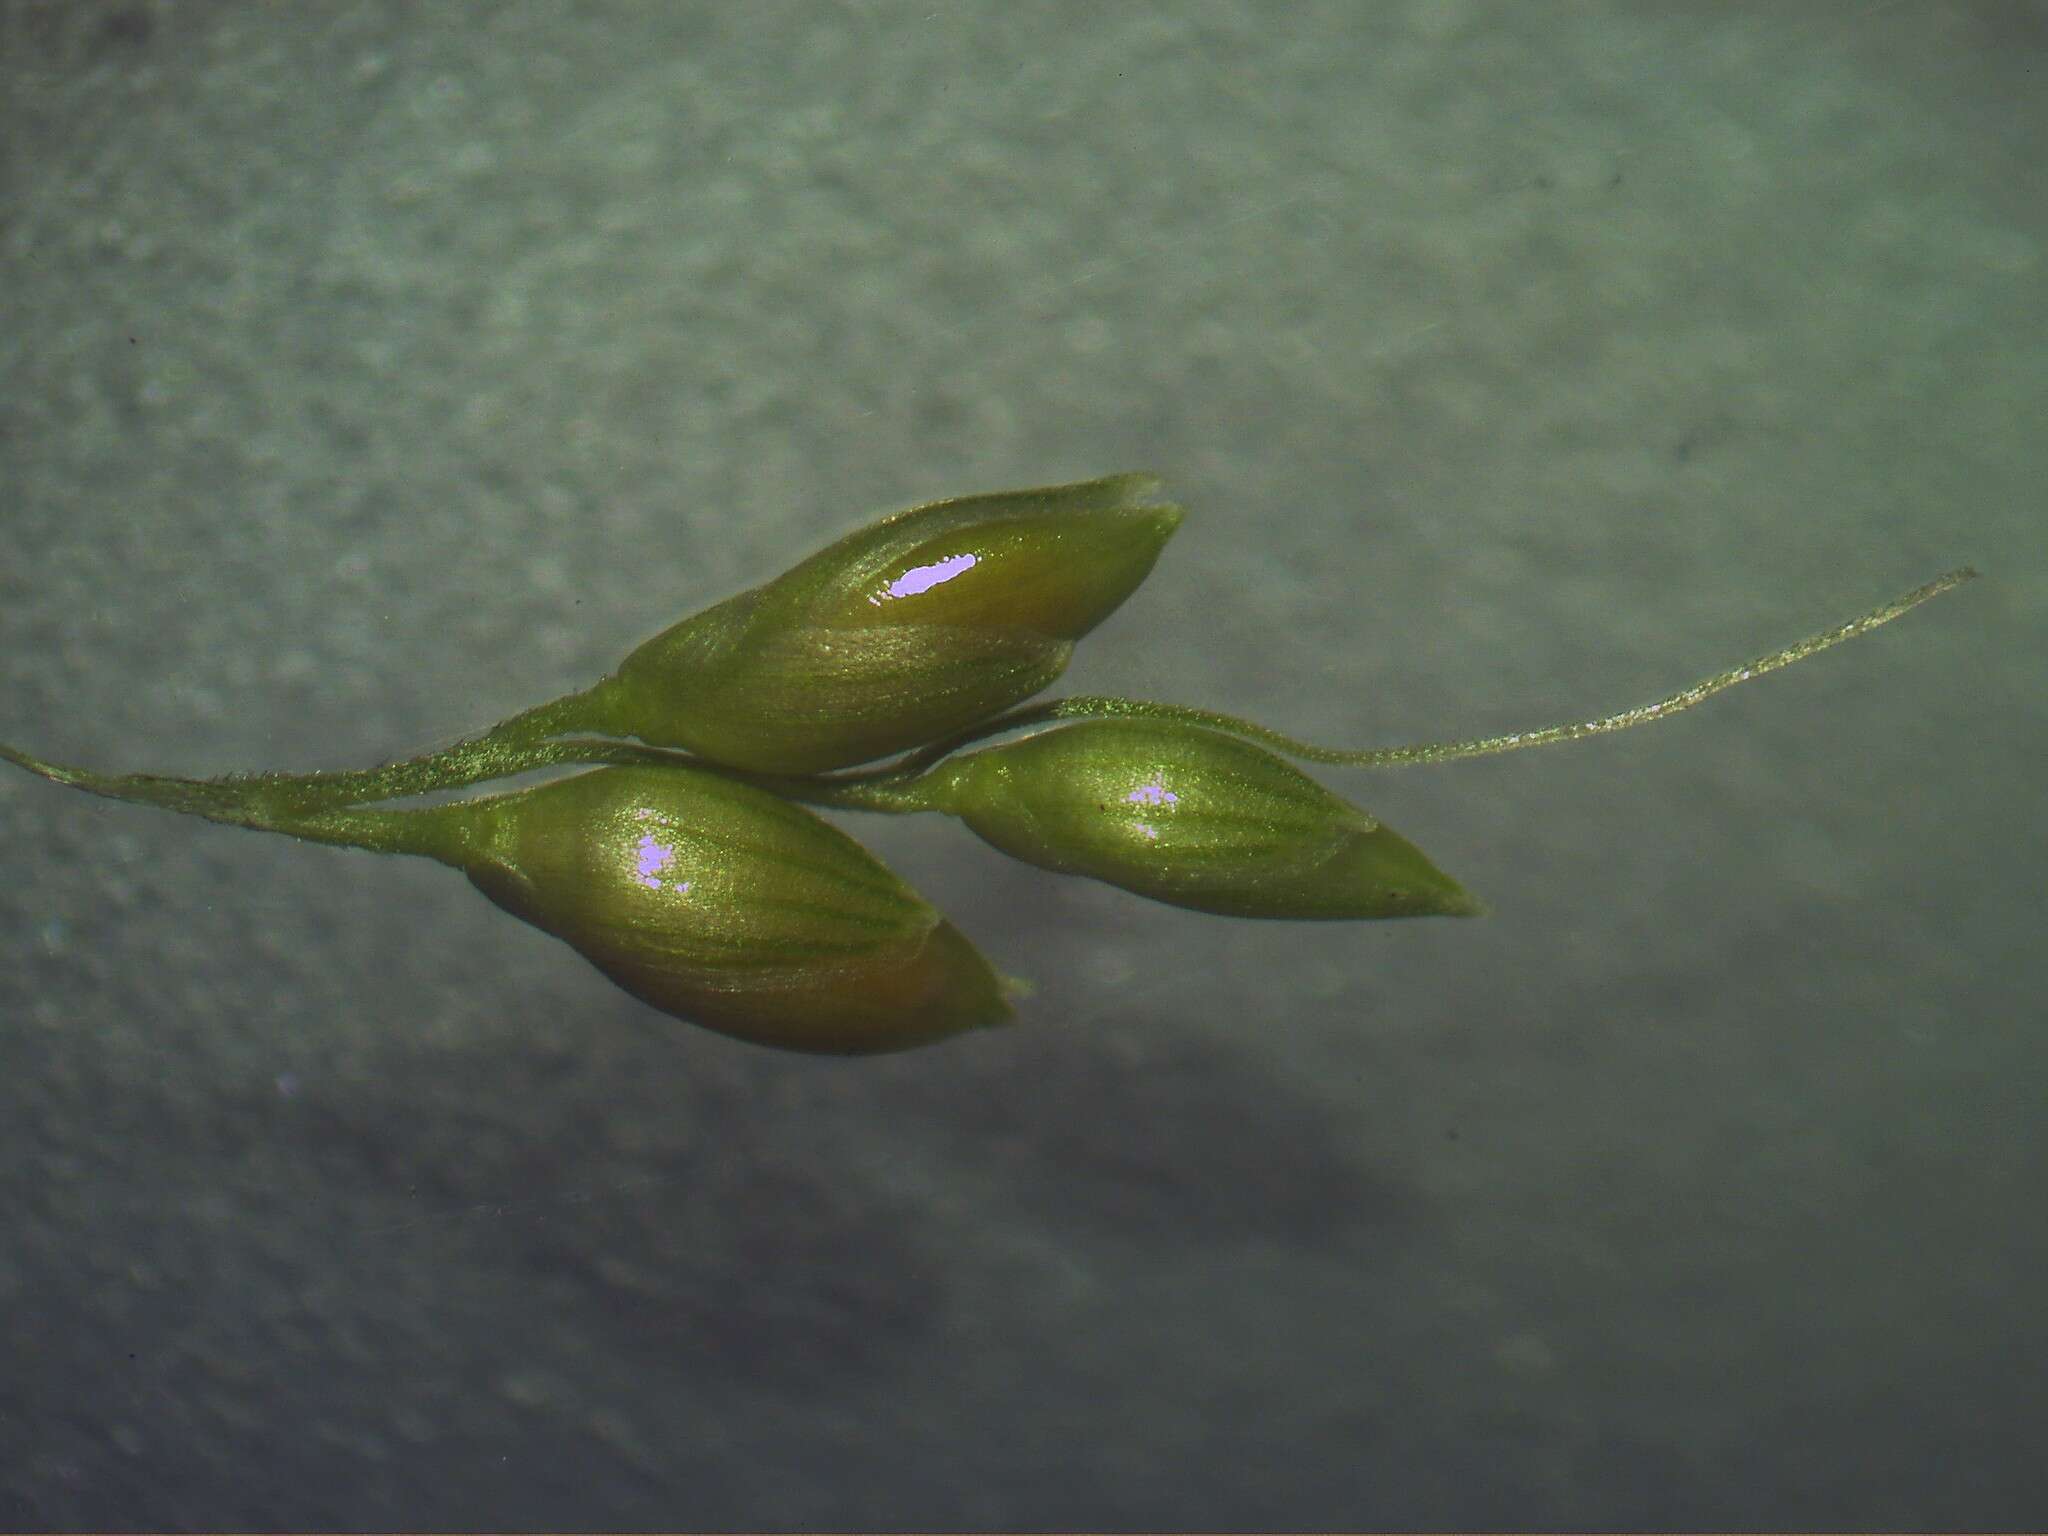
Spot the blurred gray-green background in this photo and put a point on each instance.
(369, 371)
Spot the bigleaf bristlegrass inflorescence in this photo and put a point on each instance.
(685, 865)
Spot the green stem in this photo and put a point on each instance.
(1088, 707)
(312, 806)
(509, 747)
(426, 832)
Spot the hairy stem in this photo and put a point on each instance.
(236, 805)
(309, 805)
(511, 746)
(1087, 707)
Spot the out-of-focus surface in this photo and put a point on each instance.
(369, 371)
